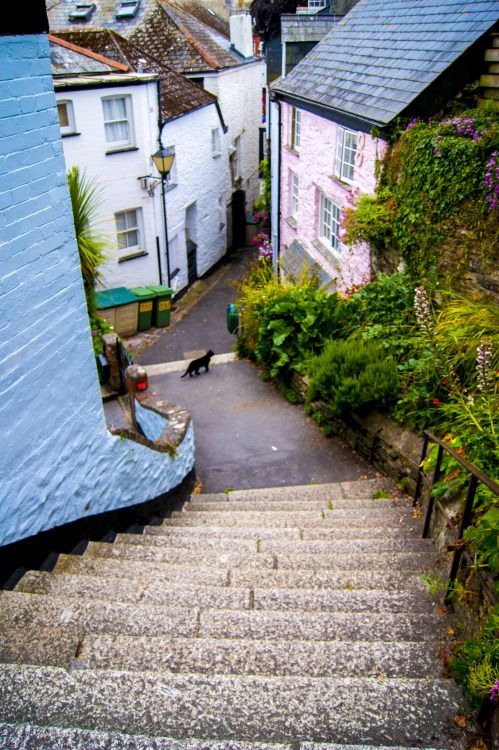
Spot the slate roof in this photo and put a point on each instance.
(385, 53)
(178, 94)
(184, 34)
(184, 42)
(301, 27)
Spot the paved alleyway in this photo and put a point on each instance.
(247, 434)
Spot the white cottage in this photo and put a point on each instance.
(112, 121)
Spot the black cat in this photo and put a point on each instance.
(196, 364)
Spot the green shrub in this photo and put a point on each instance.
(352, 376)
(292, 326)
(475, 663)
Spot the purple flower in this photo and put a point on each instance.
(494, 691)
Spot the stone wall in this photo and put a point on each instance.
(392, 449)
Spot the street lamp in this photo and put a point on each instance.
(163, 160)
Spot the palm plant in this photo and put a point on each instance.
(91, 245)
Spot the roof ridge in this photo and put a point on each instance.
(88, 53)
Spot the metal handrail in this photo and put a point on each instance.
(476, 476)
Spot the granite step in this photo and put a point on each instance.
(256, 708)
(239, 576)
(353, 490)
(189, 595)
(297, 519)
(280, 657)
(141, 569)
(276, 544)
(415, 561)
(32, 737)
(103, 616)
(401, 531)
(197, 504)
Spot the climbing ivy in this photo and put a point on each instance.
(440, 181)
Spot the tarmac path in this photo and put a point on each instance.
(247, 434)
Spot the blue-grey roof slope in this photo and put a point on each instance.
(384, 53)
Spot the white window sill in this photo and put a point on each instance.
(121, 149)
(132, 256)
(291, 220)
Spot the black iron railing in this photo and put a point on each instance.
(475, 477)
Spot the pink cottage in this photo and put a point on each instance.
(331, 116)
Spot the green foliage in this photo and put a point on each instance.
(263, 201)
(380, 495)
(350, 376)
(99, 327)
(475, 664)
(369, 219)
(434, 180)
(382, 311)
(85, 199)
(292, 326)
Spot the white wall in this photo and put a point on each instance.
(239, 92)
(200, 178)
(116, 174)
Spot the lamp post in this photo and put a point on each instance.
(163, 160)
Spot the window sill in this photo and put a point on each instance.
(292, 150)
(170, 186)
(69, 135)
(121, 150)
(291, 221)
(329, 253)
(132, 256)
(342, 183)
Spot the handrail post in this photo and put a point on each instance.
(431, 500)
(465, 522)
(419, 480)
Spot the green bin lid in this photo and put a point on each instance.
(161, 290)
(144, 292)
(114, 298)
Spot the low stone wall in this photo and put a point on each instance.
(392, 449)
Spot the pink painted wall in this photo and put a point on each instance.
(314, 165)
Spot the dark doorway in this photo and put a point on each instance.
(238, 219)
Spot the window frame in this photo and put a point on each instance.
(294, 194)
(216, 142)
(295, 129)
(70, 128)
(119, 144)
(344, 168)
(329, 223)
(135, 249)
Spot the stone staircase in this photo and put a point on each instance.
(284, 619)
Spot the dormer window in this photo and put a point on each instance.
(127, 9)
(81, 12)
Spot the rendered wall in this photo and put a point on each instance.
(239, 91)
(314, 166)
(58, 461)
(200, 179)
(115, 174)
